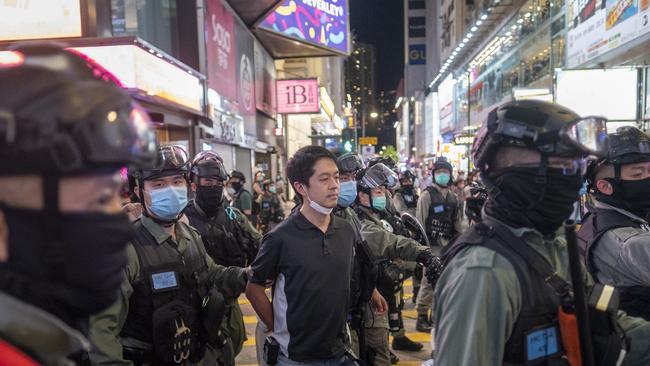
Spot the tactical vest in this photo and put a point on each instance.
(222, 236)
(166, 308)
(410, 198)
(540, 302)
(634, 300)
(441, 216)
(268, 209)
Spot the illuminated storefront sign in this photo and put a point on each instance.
(298, 96)
(23, 19)
(323, 23)
(148, 72)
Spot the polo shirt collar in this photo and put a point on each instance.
(156, 230)
(303, 224)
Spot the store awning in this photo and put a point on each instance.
(253, 11)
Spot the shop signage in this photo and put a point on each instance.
(417, 54)
(149, 73)
(463, 139)
(245, 70)
(445, 101)
(372, 140)
(264, 80)
(367, 152)
(20, 20)
(595, 30)
(323, 23)
(221, 49)
(297, 96)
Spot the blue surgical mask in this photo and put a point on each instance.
(442, 179)
(168, 203)
(379, 203)
(347, 193)
(272, 189)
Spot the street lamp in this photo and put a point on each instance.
(374, 115)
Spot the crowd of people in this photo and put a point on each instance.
(89, 275)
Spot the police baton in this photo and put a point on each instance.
(579, 296)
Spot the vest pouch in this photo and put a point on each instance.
(610, 344)
(212, 316)
(175, 333)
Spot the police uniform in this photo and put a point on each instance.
(405, 201)
(271, 212)
(162, 270)
(229, 238)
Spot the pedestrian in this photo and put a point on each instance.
(439, 212)
(172, 299)
(309, 258)
(240, 197)
(387, 245)
(66, 129)
(228, 237)
(615, 235)
(505, 288)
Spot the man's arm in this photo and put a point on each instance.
(422, 208)
(261, 304)
(246, 201)
(386, 245)
(399, 204)
(478, 302)
(106, 326)
(634, 260)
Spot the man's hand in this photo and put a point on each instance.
(432, 266)
(133, 210)
(377, 303)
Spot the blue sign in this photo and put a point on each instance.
(323, 23)
(417, 54)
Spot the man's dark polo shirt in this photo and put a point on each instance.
(311, 270)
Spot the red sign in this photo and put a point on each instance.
(222, 50)
(297, 96)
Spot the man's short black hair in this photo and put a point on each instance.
(301, 165)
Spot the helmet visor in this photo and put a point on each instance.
(378, 175)
(349, 163)
(589, 134)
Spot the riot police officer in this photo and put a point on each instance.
(240, 197)
(65, 131)
(615, 236)
(386, 245)
(438, 210)
(229, 238)
(406, 199)
(271, 212)
(504, 288)
(172, 299)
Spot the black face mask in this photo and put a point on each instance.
(68, 264)
(209, 198)
(524, 203)
(236, 186)
(630, 195)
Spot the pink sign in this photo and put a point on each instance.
(297, 96)
(222, 49)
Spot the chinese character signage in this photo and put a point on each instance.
(221, 50)
(323, 23)
(297, 96)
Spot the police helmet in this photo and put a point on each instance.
(407, 174)
(389, 162)
(62, 114)
(442, 163)
(238, 174)
(546, 127)
(375, 176)
(349, 163)
(172, 160)
(627, 145)
(208, 164)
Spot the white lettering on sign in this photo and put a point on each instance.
(327, 7)
(222, 38)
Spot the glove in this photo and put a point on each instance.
(432, 264)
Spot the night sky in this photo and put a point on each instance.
(381, 23)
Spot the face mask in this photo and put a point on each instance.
(209, 198)
(523, 203)
(168, 203)
(231, 191)
(379, 203)
(347, 193)
(317, 207)
(272, 189)
(630, 195)
(68, 264)
(236, 186)
(442, 179)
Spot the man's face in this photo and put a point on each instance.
(161, 183)
(441, 171)
(364, 199)
(635, 171)
(235, 180)
(96, 193)
(207, 182)
(323, 184)
(346, 177)
(408, 182)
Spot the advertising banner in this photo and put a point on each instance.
(323, 23)
(23, 19)
(297, 96)
(446, 102)
(264, 80)
(245, 71)
(221, 49)
(596, 27)
(417, 54)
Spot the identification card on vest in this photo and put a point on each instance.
(163, 281)
(542, 343)
(439, 209)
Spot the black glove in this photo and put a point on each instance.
(432, 265)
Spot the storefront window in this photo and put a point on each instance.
(558, 47)
(154, 21)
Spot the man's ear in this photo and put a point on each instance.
(604, 187)
(300, 188)
(4, 238)
(193, 185)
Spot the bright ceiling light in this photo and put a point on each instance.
(474, 29)
(484, 16)
(479, 22)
